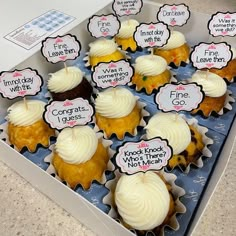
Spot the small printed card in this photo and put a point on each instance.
(174, 15)
(126, 8)
(34, 31)
(152, 34)
(222, 24)
(61, 48)
(153, 154)
(20, 83)
(211, 55)
(112, 74)
(103, 26)
(69, 113)
(179, 97)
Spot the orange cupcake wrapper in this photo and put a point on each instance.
(4, 136)
(110, 166)
(227, 106)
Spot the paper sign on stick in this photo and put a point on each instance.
(153, 154)
(222, 24)
(112, 74)
(61, 48)
(69, 113)
(174, 15)
(20, 83)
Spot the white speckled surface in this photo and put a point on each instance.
(25, 211)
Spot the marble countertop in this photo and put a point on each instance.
(26, 211)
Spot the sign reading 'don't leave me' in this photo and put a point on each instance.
(153, 154)
(68, 113)
(61, 48)
(20, 83)
(174, 15)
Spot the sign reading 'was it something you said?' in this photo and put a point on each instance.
(127, 7)
(112, 74)
(153, 154)
(20, 83)
(179, 97)
(68, 113)
(174, 15)
(222, 24)
(103, 26)
(211, 55)
(61, 48)
(152, 34)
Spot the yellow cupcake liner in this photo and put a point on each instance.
(142, 123)
(87, 61)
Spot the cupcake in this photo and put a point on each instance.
(117, 112)
(215, 90)
(79, 156)
(69, 83)
(147, 202)
(26, 127)
(186, 141)
(150, 72)
(176, 50)
(228, 72)
(125, 37)
(104, 50)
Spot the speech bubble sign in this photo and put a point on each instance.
(152, 34)
(68, 113)
(126, 8)
(179, 97)
(211, 55)
(174, 15)
(153, 154)
(103, 25)
(112, 74)
(20, 83)
(60, 48)
(222, 24)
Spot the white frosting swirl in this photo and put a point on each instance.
(213, 85)
(176, 40)
(127, 28)
(115, 103)
(102, 47)
(150, 65)
(172, 127)
(142, 200)
(76, 145)
(65, 79)
(21, 114)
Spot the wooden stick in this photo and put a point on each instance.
(65, 67)
(25, 102)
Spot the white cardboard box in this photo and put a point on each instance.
(18, 57)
